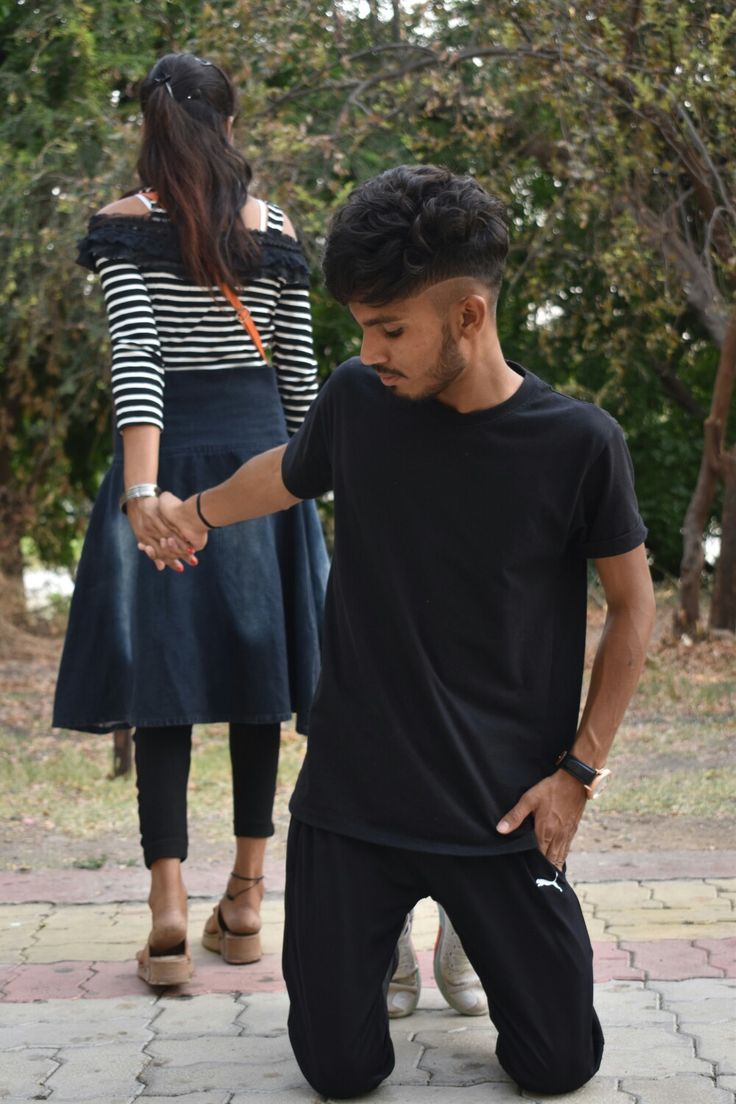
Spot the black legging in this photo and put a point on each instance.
(162, 757)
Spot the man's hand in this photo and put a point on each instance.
(557, 804)
(184, 534)
(155, 537)
(182, 520)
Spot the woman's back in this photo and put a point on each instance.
(163, 322)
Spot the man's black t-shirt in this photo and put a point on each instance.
(456, 607)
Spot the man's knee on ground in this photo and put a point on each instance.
(340, 1070)
(339, 1078)
(554, 1082)
(553, 1074)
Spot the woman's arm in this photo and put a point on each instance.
(140, 466)
(293, 355)
(293, 349)
(138, 387)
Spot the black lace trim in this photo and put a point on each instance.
(152, 242)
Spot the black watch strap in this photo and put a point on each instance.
(577, 768)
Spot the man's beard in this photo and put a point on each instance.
(448, 366)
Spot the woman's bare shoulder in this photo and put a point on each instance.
(288, 227)
(252, 213)
(128, 205)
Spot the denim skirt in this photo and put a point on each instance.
(234, 639)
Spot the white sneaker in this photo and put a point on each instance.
(404, 987)
(456, 979)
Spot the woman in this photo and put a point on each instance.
(194, 397)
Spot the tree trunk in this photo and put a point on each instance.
(11, 559)
(12, 519)
(374, 19)
(396, 21)
(693, 552)
(121, 752)
(711, 467)
(723, 603)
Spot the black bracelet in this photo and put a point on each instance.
(201, 516)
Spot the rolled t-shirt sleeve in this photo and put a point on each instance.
(608, 515)
(306, 467)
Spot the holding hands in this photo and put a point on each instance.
(166, 532)
(179, 529)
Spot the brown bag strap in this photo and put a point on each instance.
(244, 315)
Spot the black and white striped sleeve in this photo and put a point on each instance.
(137, 364)
(293, 354)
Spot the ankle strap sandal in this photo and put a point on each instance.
(237, 948)
(239, 877)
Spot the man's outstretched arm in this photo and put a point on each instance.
(557, 802)
(255, 489)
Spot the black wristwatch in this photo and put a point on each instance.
(594, 781)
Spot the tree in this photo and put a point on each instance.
(607, 125)
(66, 145)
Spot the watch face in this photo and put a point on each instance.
(599, 783)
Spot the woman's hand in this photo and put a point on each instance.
(182, 534)
(183, 521)
(155, 537)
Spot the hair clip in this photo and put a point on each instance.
(212, 65)
(164, 79)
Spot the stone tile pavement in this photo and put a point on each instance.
(76, 1024)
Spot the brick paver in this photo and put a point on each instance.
(685, 1089)
(671, 959)
(40, 982)
(721, 953)
(77, 1025)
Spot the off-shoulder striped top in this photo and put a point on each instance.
(159, 322)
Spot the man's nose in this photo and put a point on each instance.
(371, 349)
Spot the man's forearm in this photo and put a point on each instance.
(254, 490)
(616, 671)
(557, 802)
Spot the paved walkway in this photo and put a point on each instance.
(77, 1025)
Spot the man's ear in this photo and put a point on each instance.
(473, 311)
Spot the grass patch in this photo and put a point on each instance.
(62, 782)
(94, 863)
(694, 793)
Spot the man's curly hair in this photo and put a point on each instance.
(411, 227)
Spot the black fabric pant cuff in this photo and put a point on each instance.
(253, 829)
(165, 849)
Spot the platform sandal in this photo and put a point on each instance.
(172, 968)
(236, 948)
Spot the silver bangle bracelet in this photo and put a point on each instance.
(138, 490)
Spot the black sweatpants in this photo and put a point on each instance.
(520, 924)
(162, 758)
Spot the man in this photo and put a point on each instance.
(445, 757)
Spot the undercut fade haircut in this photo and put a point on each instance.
(411, 227)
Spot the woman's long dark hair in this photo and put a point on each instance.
(201, 181)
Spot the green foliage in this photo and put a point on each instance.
(609, 138)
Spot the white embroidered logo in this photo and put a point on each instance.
(545, 882)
